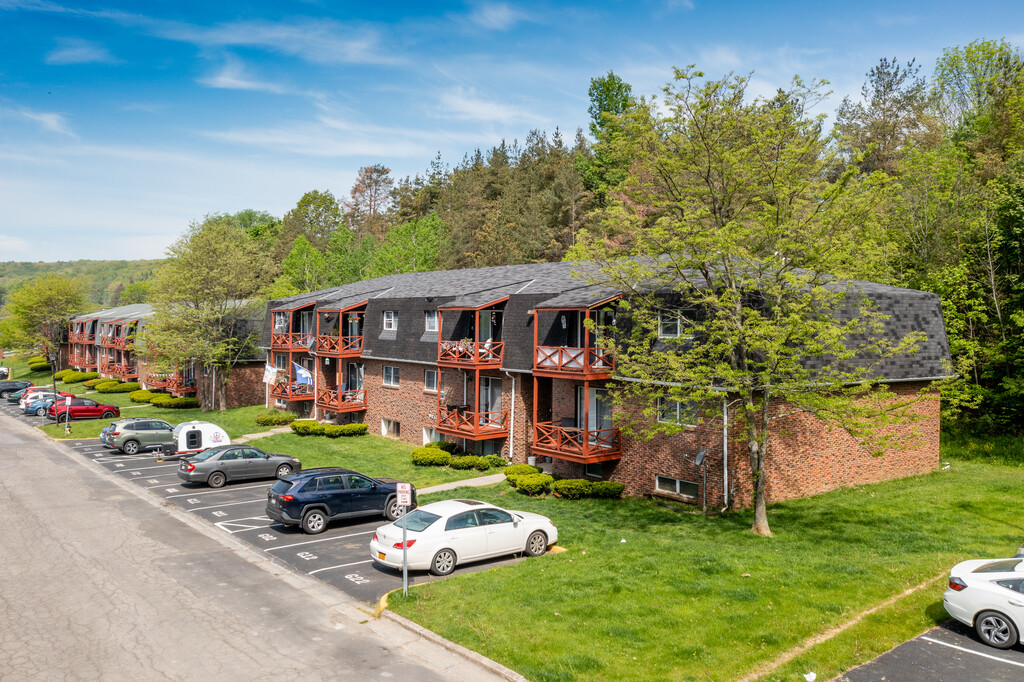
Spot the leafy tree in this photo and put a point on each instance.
(368, 201)
(316, 217)
(39, 310)
(891, 113)
(737, 233)
(260, 226)
(610, 98)
(348, 257)
(137, 292)
(115, 294)
(208, 303)
(305, 269)
(409, 247)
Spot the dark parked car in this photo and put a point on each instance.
(217, 466)
(140, 434)
(315, 497)
(82, 408)
(9, 387)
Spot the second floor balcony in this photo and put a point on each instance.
(337, 400)
(128, 370)
(339, 346)
(180, 385)
(292, 341)
(586, 446)
(467, 353)
(573, 362)
(291, 391)
(458, 420)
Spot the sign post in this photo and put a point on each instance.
(67, 414)
(404, 500)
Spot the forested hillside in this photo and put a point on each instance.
(104, 280)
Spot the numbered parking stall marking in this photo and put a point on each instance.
(306, 556)
(311, 542)
(331, 568)
(238, 525)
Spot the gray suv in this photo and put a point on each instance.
(140, 434)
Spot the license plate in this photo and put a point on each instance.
(380, 555)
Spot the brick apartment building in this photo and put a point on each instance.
(500, 360)
(103, 342)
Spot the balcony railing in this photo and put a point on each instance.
(470, 353)
(298, 341)
(577, 445)
(337, 400)
(290, 391)
(339, 346)
(573, 361)
(457, 420)
(157, 380)
(177, 384)
(129, 371)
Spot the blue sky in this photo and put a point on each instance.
(122, 122)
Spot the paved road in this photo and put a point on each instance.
(97, 581)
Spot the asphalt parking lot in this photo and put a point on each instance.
(340, 556)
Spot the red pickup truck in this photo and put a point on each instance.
(82, 408)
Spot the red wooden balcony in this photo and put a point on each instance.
(469, 353)
(107, 366)
(576, 445)
(301, 341)
(565, 361)
(178, 385)
(341, 401)
(290, 391)
(89, 363)
(457, 420)
(339, 346)
(129, 370)
(157, 380)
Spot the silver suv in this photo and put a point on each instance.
(140, 434)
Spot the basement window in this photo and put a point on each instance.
(675, 486)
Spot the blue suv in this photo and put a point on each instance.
(315, 497)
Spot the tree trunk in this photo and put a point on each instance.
(757, 444)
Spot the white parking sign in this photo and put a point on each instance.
(404, 494)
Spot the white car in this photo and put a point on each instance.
(442, 535)
(988, 595)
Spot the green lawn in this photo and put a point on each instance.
(646, 592)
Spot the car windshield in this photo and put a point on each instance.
(418, 520)
(207, 454)
(281, 487)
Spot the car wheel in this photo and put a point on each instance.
(217, 479)
(392, 510)
(995, 629)
(283, 470)
(62, 418)
(40, 411)
(107, 415)
(443, 562)
(314, 521)
(537, 543)
(130, 447)
(4, 394)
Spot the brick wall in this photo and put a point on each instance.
(245, 385)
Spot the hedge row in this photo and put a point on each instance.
(532, 484)
(578, 488)
(35, 359)
(79, 377)
(168, 401)
(446, 445)
(143, 396)
(276, 418)
(59, 376)
(430, 456)
(43, 366)
(311, 427)
(118, 387)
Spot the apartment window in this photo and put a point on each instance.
(390, 376)
(390, 320)
(390, 428)
(280, 322)
(430, 320)
(594, 470)
(430, 380)
(668, 326)
(675, 486)
(676, 412)
(430, 435)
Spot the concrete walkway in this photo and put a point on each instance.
(262, 434)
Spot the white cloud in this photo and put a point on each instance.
(78, 51)
(496, 16)
(48, 120)
(16, 248)
(232, 77)
(461, 103)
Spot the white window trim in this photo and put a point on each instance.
(426, 388)
(430, 316)
(390, 321)
(395, 375)
(662, 321)
(679, 412)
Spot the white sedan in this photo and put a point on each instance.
(988, 595)
(442, 535)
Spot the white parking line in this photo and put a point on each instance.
(971, 651)
(310, 542)
(354, 563)
(216, 490)
(164, 466)
(227, 504)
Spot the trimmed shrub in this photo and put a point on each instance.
(91, 383)
(79, 377)
(430, 456)
(607, 489)
(39, 367)
(63, 373)
(520, 469)
(36, 359)
(446, 445)
(168, 401)
(354, 429)
(106, 383)
(469, 462)
(307, 427)
(573, 488)
(534, 484)
(276, 418)
(126, 387)
(494, 461)
(143, 396)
